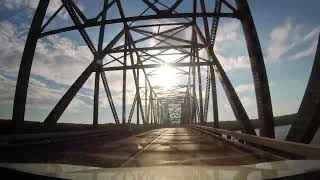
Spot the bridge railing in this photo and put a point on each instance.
(286, 148)
(19, 140)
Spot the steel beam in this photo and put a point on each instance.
(156, 48)
(138, 18)
(193, 70)
(69, 6)
(99, 64)
(96, 98)
(189, 98)
(26, 63)
(264, 105)
(137, 91)
(200, 90)
(146, 110)
(235, 103)
(109, 96)
(146, 66)
(305, 127)
(132, 109)
(214, 99)
(124, 85)
(207, 95)
(63, 103)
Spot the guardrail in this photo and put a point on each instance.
(306, 151)
(16, 140)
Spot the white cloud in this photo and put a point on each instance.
(304, 53)
(229, 35)
(229, 63)
(230, 46)
(6, 93)
(40, 96)
(59, 59)
(32, 4)
(17, 4)
(244, 88)
(278, 40)
(10, 47)
(247, 101)
(285, 37)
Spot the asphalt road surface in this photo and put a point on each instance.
(160, 147)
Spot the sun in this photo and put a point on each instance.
(165, 77)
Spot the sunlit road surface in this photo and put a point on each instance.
(184, 146)
(161, 147)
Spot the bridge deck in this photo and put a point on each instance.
(167, 146)
(182, 146)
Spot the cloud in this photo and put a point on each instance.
(32, 4)
(230, 46)
(58, 60)
(304, 53)
(40, 96)
(244, 88)
(229, 35)
(285, 37)
(6, 93)
(17, 4)
(230, 63)
(247, 101)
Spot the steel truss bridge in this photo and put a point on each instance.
(145, 41)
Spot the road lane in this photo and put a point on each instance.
(185, 146)
(159, 147)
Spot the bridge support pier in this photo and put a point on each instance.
(26, 63)
(258, 69)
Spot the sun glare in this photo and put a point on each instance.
(166, 76)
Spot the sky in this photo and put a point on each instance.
(288, 31)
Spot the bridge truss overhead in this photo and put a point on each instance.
(159, 35)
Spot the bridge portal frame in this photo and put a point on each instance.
(206, 41)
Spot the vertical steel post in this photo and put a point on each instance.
(146, 99)
(26, 63)
(258, 69)
(150, 112)
(235, 103)
(200, 89)
(214, 99)
(124, 83)
(96, 98)
(98, 60)
(158, 112)
(138, 105)
(193, 109)
(192, 58)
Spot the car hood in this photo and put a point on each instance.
(267, 170)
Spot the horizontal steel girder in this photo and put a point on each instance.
(145, 66)
(137, 18)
